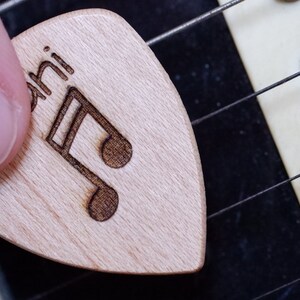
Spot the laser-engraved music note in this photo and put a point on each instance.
(116, 152)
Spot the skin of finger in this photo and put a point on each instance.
(13, 85)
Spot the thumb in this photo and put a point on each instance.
(14, 101)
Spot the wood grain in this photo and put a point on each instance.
(109, 177)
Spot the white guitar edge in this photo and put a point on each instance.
(267, 36)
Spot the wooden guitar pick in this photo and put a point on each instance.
(109, 177)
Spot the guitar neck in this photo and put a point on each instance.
(267, 36)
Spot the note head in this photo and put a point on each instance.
(116, 152)
(103, 204)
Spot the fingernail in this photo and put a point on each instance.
(8, 127)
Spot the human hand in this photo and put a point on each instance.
(14, 101)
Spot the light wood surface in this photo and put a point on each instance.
(109, 177)
(267, 36)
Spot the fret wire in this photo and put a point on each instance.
(244, 99)
(192, 22)
(273, 187)
(277, 289)
(10, 4)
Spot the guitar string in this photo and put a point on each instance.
(62, 286)
(12, 3)
(193, 22)
(277, 289)
(244, 99)
(219, 9)
(273, 187)
(87, 274)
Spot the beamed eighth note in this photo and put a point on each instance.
(116, 150)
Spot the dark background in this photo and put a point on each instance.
(251, 249)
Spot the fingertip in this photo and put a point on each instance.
(14, 101)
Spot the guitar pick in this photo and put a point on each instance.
(109, 177)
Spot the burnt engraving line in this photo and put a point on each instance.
(67, 67)
(104, 201)
(77, 120)
(38, 77)
(35, 94)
